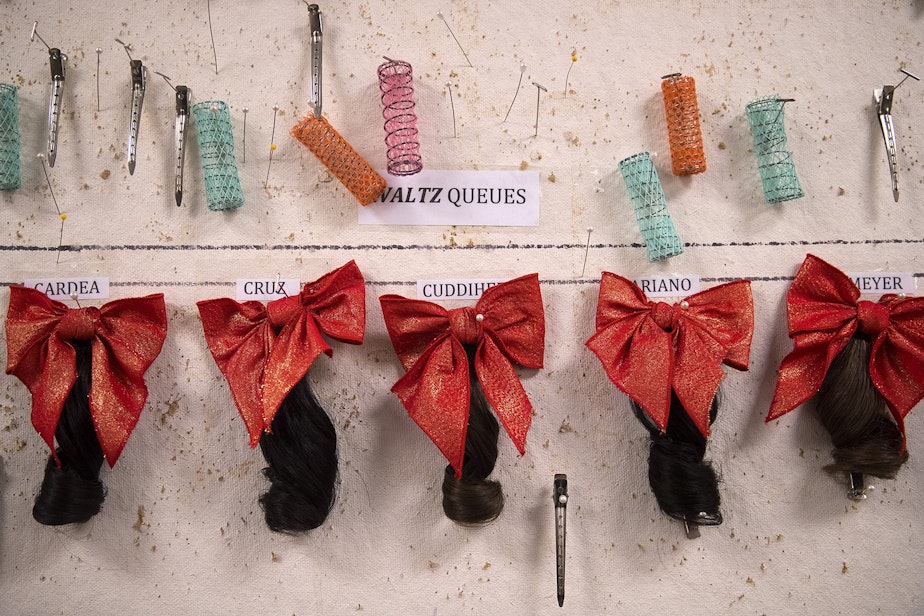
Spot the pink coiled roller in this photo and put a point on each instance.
(396, 81)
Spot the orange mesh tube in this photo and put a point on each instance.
(682, 111)
(351, 169)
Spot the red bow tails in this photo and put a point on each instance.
(648, 348)
(125, 335)
(507, 325)
(823, 313)
(264, 351)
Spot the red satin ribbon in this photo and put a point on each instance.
(126, 336)
(436, 388)
(264, 351)
(823, 313)
(648, 347)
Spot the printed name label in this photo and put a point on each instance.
(883, 282)
(440, 197)
(266, 288)
(65, 288)
(668, 286)
(454, 288)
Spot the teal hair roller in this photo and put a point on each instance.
(216, 151)
(9, 138)
(654, 220)
(774, 160)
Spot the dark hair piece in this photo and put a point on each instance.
(73, 493)
(684, 484)
(301, 456)
(474, 500)
(866, 438)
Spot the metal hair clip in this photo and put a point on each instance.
(314, 23)
(139, 81)
(856, 488)
(57, 61)
(560, 496)
(179, 134)
(883, 99)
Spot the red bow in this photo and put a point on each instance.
(264, 351)
(823, 314)
(126, 336)
(647, 347)
(507, 324)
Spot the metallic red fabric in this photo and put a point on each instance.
(507, 325)
(648, 347)
(126, 336)
(264, 351)
(824, 311)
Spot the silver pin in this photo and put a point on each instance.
(560, 496)
(54, 199)
(99, 50)
(781, 101)
(317, 39)
(272, 146)
(883, 98)
(208, 8)
(691, 528)
(280, 286)
(568, 74)
(443, 17)
(586, 250)
(539, 90)
(451, 104)
(244, 140)
(519, 83)
(139, 82)
(57, 62)
(76, 298)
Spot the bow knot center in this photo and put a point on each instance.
(873, 317)
(281, 311)
(663, 315)
(79, 324)
(466, 325)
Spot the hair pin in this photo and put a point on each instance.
(443, 17)
(560, 496)
(539, 90)
(54, 199)
(519, 83)
(139, 81)
(570, 66)
(883, 98)
(57, 62)
(179, 135)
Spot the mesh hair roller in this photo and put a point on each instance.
(774, 160)
(9, 138)
(340, 158)
(654, 220)
(396, 81)
(682, 112)
(216, 151)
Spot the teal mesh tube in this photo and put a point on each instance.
(774, 160)
(216, 151)
(9, 138)
(654, 221)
